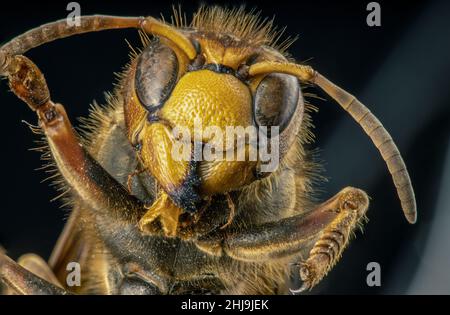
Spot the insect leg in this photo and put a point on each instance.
(324, 232)
(82, 173)
(332, 240)
(39, 267)
(21, 281)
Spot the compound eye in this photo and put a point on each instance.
(276, 99)
(156, 75)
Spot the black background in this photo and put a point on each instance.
(399, 70)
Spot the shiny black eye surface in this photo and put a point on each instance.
(156, 75)
(276, 99)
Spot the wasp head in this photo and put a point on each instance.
(201, 124)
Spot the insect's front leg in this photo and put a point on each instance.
(21, 281)
(101, 192)
(324, 232)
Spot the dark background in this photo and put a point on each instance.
(399, 70)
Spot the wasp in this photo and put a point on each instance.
(145, 222)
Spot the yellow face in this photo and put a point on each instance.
(173, 100)
(215, 100)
